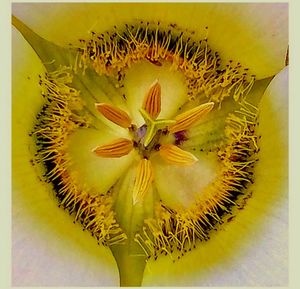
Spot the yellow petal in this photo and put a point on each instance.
(116, 149)
(187, 119)
(36, 215)
(152, 100)
(255, 34)
(258, 236)
(273, 127)
(176, 156)
(114, 114)
(143, 180)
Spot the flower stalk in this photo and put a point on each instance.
(131, 267)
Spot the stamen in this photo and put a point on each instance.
(142, 181)
(187, 119)
(116, 51)
(152, 100)
(63, 113)
(114, 114)
(176, 156)
(116, 149)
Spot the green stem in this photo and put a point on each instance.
(131, 267)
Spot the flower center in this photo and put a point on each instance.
(125, 147)
(146, 138)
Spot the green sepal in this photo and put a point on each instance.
(130, 257)
(209, 133)
(92, 86)
(50, 54)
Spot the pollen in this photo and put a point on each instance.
(143, 180)
(176, 156)
(187, 119)
(114, 114)
(62, 114)
(152, 100)
(111, 53)
(116, 149)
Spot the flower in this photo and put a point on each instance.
(264, 58)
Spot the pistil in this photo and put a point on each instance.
(153, 125)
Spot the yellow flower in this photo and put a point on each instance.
(87, 139)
